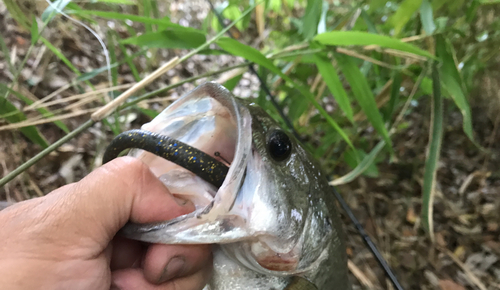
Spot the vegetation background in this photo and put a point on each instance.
(398, 100)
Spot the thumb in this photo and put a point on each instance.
(121, 190)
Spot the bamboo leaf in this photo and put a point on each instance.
(362, 166)
(236, 48)
(426, 17)
(169, 38)
(434, 148)
(363, 94)
(34, 31)
(13, 115)
(351, 157)
(60, 55)
(161, 22)
(404, 13)
(450, 79)
(332, 80)
(45, 112)
(343, 38)
(311, 18)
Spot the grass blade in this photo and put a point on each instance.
(450, 78)
(236, 48)
(34, 31)
(332, 80)
(45, 112)
(311, 18)
(161, 22)
(31, 132)
(60, 55)
(362, 166)
(364, 38)
(404, 13)
(426, 17)
(363, 94)
(434, 148)
(170, 38)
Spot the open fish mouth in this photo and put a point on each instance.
(257, 193)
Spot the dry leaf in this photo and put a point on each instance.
(450, 285)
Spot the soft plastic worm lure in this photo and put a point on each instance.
(194, 160)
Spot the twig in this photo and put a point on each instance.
(107, 109)
(47, 120)
(359, 275)
(472, 277)
(366, 58)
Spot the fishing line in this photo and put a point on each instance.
(101, 42)
(369, 243)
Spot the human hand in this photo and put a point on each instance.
(66, 239)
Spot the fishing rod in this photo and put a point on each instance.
(366, 239)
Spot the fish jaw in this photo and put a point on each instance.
(209, 119)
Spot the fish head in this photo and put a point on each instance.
(273, 217)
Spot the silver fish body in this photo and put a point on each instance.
(273, 218)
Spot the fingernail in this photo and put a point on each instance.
(172, 269)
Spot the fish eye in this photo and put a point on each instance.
(279, 145)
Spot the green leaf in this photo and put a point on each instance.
(426, 17)
(351, 157)
(434, 148)
(451, 81)
(170, 38)
(31, 132)
(232, 12)
(231, 83)
(311, 18)
(162, 22)
(34, 31)
(236, 48)
(45, 112)
(332, 80)
(362, 166)
(404, 13)
(148, 112)
(60, 55)
(363, 94)
(343, 38)
(51, 10)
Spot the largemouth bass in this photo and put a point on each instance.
(273, 217)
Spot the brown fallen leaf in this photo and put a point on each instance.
(450, 285)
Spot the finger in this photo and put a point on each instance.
(134, 279)
(166, 262)
(121, 190)
(126, 253)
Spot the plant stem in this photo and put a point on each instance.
(46, 151)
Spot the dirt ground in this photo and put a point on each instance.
(466, 251)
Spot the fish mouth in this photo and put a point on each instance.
(211, 120)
